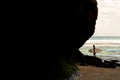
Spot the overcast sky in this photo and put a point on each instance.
(108, 22)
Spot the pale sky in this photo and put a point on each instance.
(108, 22)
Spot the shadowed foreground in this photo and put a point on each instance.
(95, 73)
(72, 24)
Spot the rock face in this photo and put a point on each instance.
(84, 22)
(74, 23)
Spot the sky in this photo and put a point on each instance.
(108, 22)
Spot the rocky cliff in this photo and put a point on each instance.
(73, 23)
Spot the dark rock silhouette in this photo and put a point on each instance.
(74, 23)
(95, 61)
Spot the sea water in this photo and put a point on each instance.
(110, 46)
(104, 41)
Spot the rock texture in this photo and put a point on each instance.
(74, 23)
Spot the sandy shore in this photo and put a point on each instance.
(96, 73)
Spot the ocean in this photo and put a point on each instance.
(104, 41)
(110, 46)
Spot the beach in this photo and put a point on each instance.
(110, 51)
(109, 47)
(97, 73)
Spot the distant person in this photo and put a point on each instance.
(94, 53)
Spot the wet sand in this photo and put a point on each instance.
(96, 73)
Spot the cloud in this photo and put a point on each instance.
(108, 23)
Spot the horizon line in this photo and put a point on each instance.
(104, 36)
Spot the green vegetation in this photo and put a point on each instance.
(64, 70)
(68, 69)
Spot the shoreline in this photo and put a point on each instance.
(97, 73)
